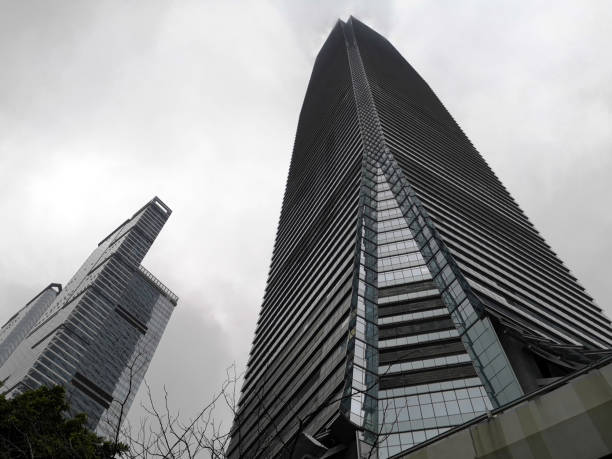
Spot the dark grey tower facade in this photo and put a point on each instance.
(408, 292)
(96, 337)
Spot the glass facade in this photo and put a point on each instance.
(19, 325)
(98, 335)
(408, 292)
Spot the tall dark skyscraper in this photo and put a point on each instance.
(97, 335)
(408, 293)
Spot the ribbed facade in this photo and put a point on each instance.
(408, 292)
(298, 358)
(98, 335)
(21, 323)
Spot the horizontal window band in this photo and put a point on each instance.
(427, 376)
(451, 384)
(414, 305)
(133, 321)
(426, 285)
(46, 336)
(92, 390)
(417, 339)
(417, 365)
(421, 351)
(416, 330)
(90, 394)
(414, 316)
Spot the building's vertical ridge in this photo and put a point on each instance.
(360, 403)
(409, 207)
(408, 293)
(453, 287)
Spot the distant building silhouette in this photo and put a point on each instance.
(97, 335)
(21, 323)
(408, 293)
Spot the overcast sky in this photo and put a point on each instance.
(104, 105)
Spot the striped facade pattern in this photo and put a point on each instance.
(21, 323)
(99, 334)
(408, 292)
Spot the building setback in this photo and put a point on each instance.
(408, 293)
(96, 337)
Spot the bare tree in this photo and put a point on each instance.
(163, 433)
(137, 364)
(381, 435)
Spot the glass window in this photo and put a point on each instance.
(427, 410)
(452, 407)
(465, 406)
(414, 412)
(439, 409)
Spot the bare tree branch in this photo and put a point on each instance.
(164, 433)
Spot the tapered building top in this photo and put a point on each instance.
(408, 292)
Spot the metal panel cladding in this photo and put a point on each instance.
(408, 292)
(297, 365)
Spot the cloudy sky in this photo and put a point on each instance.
(105, 104)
